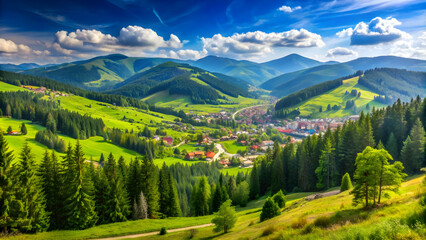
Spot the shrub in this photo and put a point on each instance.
(323, 221)
(269, 210)
(299, 223)
(163, 231)
(279, 199)
(268, 231)
(346, 183)
(192, 233)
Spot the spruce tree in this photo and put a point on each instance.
(6, 183)
(163, 190)
(24, 130)
(278, 178)
(102, 191)
(324, 170)
(392, 146)
(31, 194)
(279, 198)
(270, 209)
(149, 183)
(173, 200)
(200, 197)
(79, 204)
(254, 182)
(346, 183)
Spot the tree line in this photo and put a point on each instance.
(29, 106)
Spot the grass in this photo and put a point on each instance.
(337, 96)
(92, 147)
(181, 102)
(233, 171)
(5, 87)
(232, 146)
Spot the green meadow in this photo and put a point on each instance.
(232, 146)
(337, 96)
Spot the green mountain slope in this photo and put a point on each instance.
(378, 87)
(253, 73)
(293, 62)
(295, 81)
(200, 85)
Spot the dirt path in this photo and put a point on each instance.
(321, 195)
(155, 233)
(242, 109)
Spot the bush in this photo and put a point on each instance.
(299, 223)
(192, 233)
(269, 210)
(323, 221)
(268, 231)
(346, 183)
(279, 199)
(163, 231)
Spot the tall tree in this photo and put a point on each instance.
(392, 146)
(325, 169)
(200, 198)
(79, 204)
(31, 193)
(225, 218)
(149, 173)
(413, 151)
(6, 183)
(254, 182)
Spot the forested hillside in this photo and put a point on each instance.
(291, 82)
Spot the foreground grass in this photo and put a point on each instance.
(232, 146)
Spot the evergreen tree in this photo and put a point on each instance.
(392, 146)
(324, 170)
(9, 129)
(31, 194)
(24, 130)
(270, 209)
(149, 185)
(140, 208)
(225, 218)
(254, 182)
(163, 190)
(279, 198)
(278, 178)
(6, 184)
(346, 183)
(200, 197)
(413, 151)
(173, 200)
(241, 195)
(79, 204)
(102, 192)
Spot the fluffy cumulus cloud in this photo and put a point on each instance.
(131, 37)
(377, 31)
(257, 43)
(341, 51)
(146, 38)
(9, 46)
(288, 9)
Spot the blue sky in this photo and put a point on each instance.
(61, 31)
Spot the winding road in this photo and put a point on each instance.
(221, 150)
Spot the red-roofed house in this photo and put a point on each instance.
(255, 147)
(168, 140)
(14, 132)
(210, 155)
(192, 155)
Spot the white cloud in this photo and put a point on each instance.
(146, 38)
(9, 46)
(341, 51)
(423, 39)
(184, 54)
(409, 49)
(377, 31)
(257, 43)
(288, 9)
(345, 33)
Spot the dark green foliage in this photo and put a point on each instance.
(163, 231)
(279, 198)
(346, 183)
(24, 130)
(169, 201)
(254, 182)
(6, 185)
(412, 153)
(79, 207)
(149, 185)
(200, 197)
(241, 194)
(50, 140)
(270, 209)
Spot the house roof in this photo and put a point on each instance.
(210, 154)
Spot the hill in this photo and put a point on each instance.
(183, 79)
(253, 73)
(292, 82)
(21, 67)
(99, 72)
(377, 87)
(293, 62)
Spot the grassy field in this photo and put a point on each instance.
(338, 97)
(10, 88)
(297, 219)
(180, 102)
(92, 147)
(232, 146)
(233, 171)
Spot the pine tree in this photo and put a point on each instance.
(392, 146)
(134, 182)
(200, 197)
(6, 183)
(254, 182)
(24, 130)
(31, 193)
(118, 208)
(241, 195)
(150, 185)
(279, 198)
(79, 204)
(413, 151)
(173, 200)
(102, 191)
(278, 178)
(140, 208)
(346, 183)
(324, 170)
(269, 210)
(163, 190)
